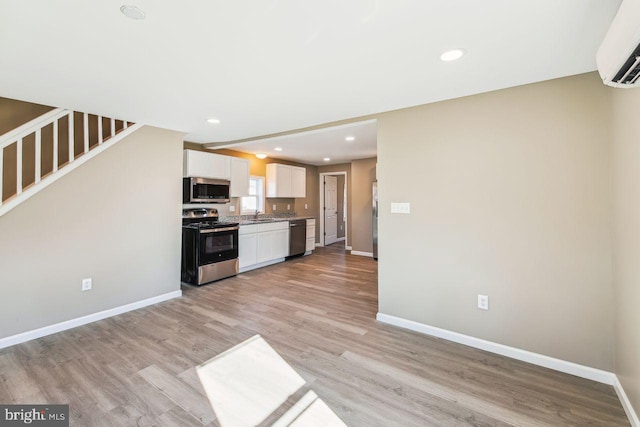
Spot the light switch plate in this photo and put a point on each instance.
(403, 208)
(483, 302)
(232, 208)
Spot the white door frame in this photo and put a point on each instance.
(321, 212)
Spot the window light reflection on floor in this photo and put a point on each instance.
(249, 382)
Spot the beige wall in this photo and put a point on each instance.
(626, 241)
(14, 113)
(363, 173)
(95, 222)
(509, 194)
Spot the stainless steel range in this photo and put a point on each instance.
(209, 247)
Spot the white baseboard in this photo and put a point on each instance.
(348, 248)
(340, 239)
(318, 245)
(626, 404)
(79, 321)
(360, 253)
(515, 353)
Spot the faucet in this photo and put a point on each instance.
(255, 216)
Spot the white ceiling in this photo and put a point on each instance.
(312, 147)
(267, 66)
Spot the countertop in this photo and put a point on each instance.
(270, 220)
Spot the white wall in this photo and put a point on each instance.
(116, 219)
(509, 195)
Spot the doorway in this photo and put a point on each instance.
(333, 207)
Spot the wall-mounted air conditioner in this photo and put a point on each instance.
(618, 58)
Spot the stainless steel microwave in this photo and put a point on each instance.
(205, 190)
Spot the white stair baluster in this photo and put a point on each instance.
(72, 154)
(1, 173)
(17, 136)
(19, 167)
(100, 130)
(85, 123)
(55, 145)
(38, 166)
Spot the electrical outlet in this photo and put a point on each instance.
(306, 206)
(87, 284)
(288, 207)
(483, 302)
(232, 208)
(274, 207)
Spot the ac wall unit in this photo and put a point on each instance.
(618, 58)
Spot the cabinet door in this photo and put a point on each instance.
(278, 180)
(311, 244)
(283, 181)
(264, 246)
(247, 249)
(195, 164)
(298, 182)
(220, 165)
(206, 165)
(311, 235)
(280, 243)
(239, 177)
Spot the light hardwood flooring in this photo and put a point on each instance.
(318, 313)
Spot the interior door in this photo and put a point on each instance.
(330, 210)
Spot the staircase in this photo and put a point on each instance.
(38, 153)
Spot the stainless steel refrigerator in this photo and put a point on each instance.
(375, 219)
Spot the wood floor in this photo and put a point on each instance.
(318, 313)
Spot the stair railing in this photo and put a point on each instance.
(35, 127)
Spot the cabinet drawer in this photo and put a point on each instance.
(248, 229)
(272, 226)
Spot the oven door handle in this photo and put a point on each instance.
(219, 230)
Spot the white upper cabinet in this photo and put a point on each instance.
(239, 177)
(286, 181)
(201, 164)
(298, 181)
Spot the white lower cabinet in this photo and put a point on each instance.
(311, 235)
(247, 249)
(280, 242)
(262, 244)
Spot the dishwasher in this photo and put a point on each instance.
(297, 237)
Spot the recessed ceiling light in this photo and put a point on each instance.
(132, 12)
(214, 121)
(261, 155)
(452, 55)
(350, 138)
(278, 148)
(326, 159)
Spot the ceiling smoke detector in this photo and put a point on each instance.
(132, 12)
